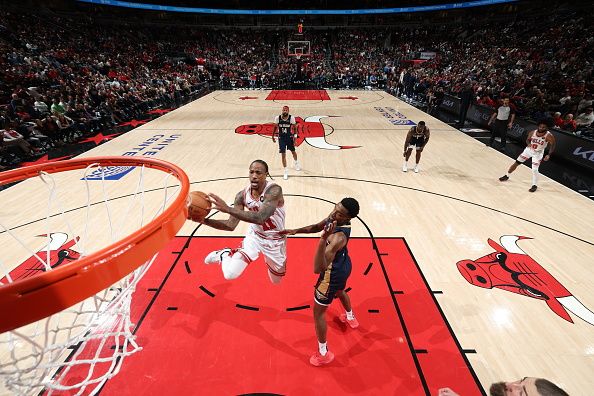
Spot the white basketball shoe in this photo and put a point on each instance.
(216, 256)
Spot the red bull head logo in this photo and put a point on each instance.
(509, 268)
(57, 251)
(310, 130)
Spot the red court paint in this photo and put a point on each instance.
(298, 95)
(200, 336)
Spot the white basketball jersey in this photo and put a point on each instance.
(271, 227)
(538, 143)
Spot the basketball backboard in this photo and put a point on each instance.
(298, 48)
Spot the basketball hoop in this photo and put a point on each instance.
(298, 49)
(81, 307)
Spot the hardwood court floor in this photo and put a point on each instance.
(446, 214)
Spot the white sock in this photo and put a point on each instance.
(233, 266)
(286, 170)
(405, 163)
(534, 178)
(323, 348)
(350, 315)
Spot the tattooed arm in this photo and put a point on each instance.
(271, 200)
(232, 221)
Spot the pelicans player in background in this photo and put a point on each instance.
(536, 143)
(417, 138)
(285, 126)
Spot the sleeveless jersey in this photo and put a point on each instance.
(271, 227)
(284, 126)
(538, 143)
(341, 259)
(416, 133)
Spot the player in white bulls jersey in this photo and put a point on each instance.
(264, 202)
(535, 146)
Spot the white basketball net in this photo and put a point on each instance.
(78, 349)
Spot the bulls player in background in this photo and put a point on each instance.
(536, 143)
(265, 206)
(285, 126)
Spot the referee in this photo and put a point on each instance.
(504, 119)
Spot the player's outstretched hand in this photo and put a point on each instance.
(288, 232)
(218, 203)
(328, 229)
(446, 392)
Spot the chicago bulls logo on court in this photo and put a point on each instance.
(57, 251)
(509, 268)
(309, 130)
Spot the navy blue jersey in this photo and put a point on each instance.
(334, 278)
(284, 126)
(342, 259)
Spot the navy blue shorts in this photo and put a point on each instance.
(330, 282)
(285, 142)
(416, 142)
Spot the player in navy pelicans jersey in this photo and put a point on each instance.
(285, 126)
(265, 206)
(333, 264)
(535, 146)
(417, 137)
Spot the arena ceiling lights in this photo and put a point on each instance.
(398, 10)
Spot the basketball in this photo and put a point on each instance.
(198, 205)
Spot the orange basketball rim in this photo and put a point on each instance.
(42, 295)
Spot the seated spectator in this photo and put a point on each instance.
(585, 119)
(569, 123)
(11, 137)
(565, 100)
(57, 108)
(41, 106)
(50, 128)
(486, 101)
(585, 103)
(528, 386)
(557, 120)
(30, 130)
(16, 104)
(67, 127)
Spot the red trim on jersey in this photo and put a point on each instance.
(245, 256)
(275, 272)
